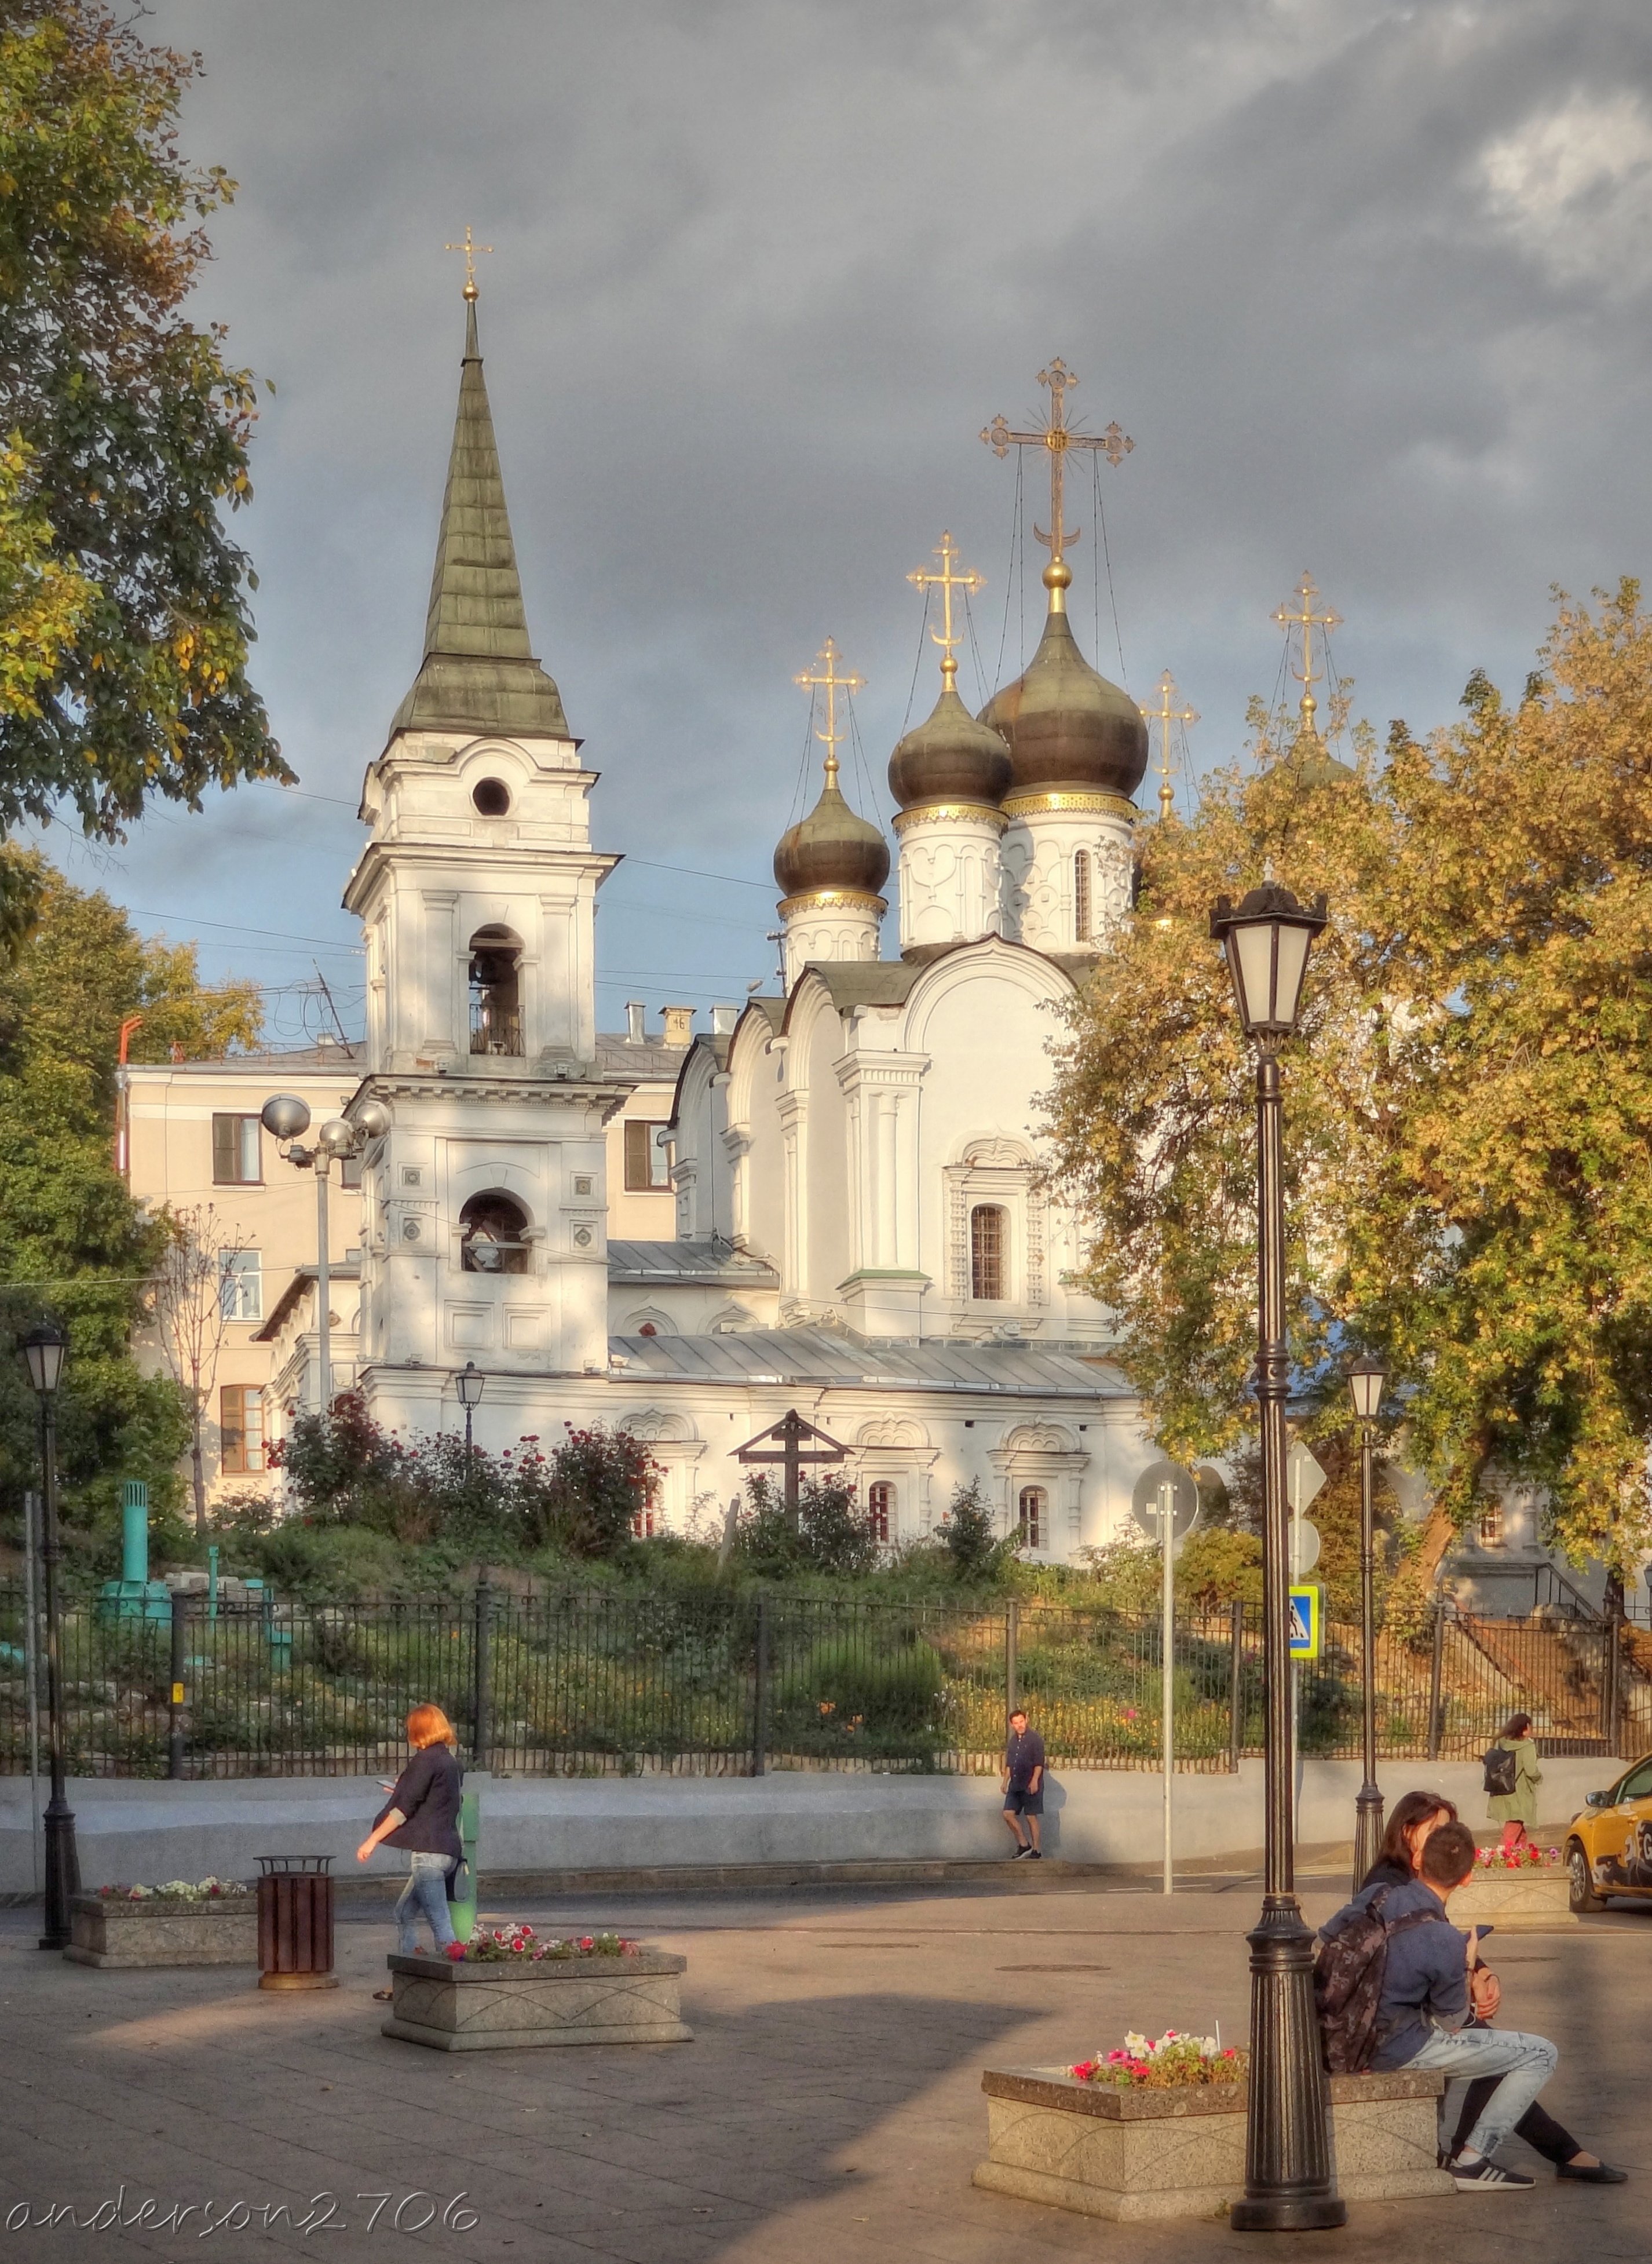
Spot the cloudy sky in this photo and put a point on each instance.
(1368, 285)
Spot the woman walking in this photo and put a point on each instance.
(1516, 1810)
(422, 1816)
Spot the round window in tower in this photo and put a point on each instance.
(492, 797)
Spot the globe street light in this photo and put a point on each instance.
(469, 1383)
(286, 1118)
(44, 1350)
(1289, 2185)
(1366, 1380)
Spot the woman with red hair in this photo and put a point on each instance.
(422, 1816)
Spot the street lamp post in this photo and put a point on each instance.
(1289, 2183)
(44, 1350)
(287, 1118)
(1366, 1380)
(469, 1384)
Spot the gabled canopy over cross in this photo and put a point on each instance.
(788, 1448)
(947, 581)
(1057, 437)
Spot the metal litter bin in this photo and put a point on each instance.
(295, 1922)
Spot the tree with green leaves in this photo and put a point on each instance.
(1469, 1100)
(124, 615)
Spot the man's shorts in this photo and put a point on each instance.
(1024, 1803)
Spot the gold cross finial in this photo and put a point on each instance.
(947, 581)
(831, 683)
(1164, 715)
(470, 250)
(1308, 620)
(1057, 437)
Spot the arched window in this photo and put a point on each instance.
(1033, 1516)
(495, 1239)
(495, 1002)
(987, 1239)
(880, 1510)
(1081, 896)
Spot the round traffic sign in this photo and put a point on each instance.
(1144, 1502)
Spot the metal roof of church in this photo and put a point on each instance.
(831, 1358)
(685, 1261)
(479, 672)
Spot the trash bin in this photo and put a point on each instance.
(295, 1922)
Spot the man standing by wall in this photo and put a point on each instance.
(1024, 1785)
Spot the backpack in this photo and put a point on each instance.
(1502, 1769)
(1347, 1969)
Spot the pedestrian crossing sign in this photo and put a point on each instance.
(1307, 1614)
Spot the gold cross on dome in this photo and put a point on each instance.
(1308, 620)
(947, 581)
(1057, 437)
(830, 681)
(1164, 715)
(470, 250)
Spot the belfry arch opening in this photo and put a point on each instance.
(496, 991)
(494, 1235)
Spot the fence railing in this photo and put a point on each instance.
(581, 1684)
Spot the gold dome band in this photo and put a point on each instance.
(1074, 803)
(949, 813)
(832, 900)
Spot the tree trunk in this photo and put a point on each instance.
(198, 1474)
(1438, 1535)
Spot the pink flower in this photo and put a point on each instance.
(456, 1952)
(587, 1941)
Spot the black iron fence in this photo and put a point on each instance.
(582, 1684)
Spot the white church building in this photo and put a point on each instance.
(862, 1229)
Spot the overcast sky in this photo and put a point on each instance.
(1367, 285)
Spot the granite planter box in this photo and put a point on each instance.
(513, 2005)
(111, 1931)
(1137, 2153)
(1516, 1901)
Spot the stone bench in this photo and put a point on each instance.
(1119, 2153)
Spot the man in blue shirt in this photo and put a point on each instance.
(1429, 2013)
(1024, 1785)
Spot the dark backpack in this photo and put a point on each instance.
(1348, 1971)
(1503, 1770)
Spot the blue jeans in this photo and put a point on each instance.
(426, 1891)
(1523, 2063)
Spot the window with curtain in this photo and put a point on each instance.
(646, 1171)
(880, 1510)
(1033, 1513)
(987, 1239)
(240, 1285)
(1081, 896)
(237, 1151)
(240, 1429)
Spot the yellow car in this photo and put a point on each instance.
(1609, 1846)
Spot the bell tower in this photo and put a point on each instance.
(485, 1200)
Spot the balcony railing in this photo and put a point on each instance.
(495, 1029)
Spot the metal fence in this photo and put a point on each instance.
(586, 1684)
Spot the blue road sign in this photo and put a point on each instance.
(1307, 1614)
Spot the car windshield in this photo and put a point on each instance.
(1637, 1785)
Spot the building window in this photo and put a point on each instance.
(240, 1285)
(1033, 1513)
(495, 1235)
(1081, 896)
(496, 1000)
(986, 1250)
(880, 1510)
(237, 1151)
(240, 1429)
(646, 1171)
(642, 1523)
(1491, 1526)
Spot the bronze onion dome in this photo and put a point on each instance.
(950, 758)
(831, 848)
(1068, 730)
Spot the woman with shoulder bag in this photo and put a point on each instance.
(1516, 1810)
(422, 1816)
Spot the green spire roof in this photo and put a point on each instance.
(479, 672)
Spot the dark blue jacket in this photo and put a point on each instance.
(1425, 1979)
(428, 1792)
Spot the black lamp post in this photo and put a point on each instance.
(1366, 1380)
(1289, 2185)
(44, 1350)
(469, 1383)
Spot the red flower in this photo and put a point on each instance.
(456, 1951)
(587, 1941)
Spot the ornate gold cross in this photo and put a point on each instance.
(470, 250)
(832, 684)
(1308, 620)
(1164, 715)
(1057, 437)
(947, 581)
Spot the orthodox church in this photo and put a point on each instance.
(863, 1226)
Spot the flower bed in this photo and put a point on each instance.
(176, 1890)
(180, 1922)
(511, 1988)
(520, 1944)
(1528, 1856)
(1165, 2063)
(1530, 1895)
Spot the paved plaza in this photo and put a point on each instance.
(828, 2108)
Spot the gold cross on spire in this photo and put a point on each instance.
(830, 681)
(470, 250)
(1057, 437)
(1308, 620)
(947, 581)
(1164, 715)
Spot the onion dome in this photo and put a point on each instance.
(831, 848)
(1068, 730)
(950, 758)
(1308, 760)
